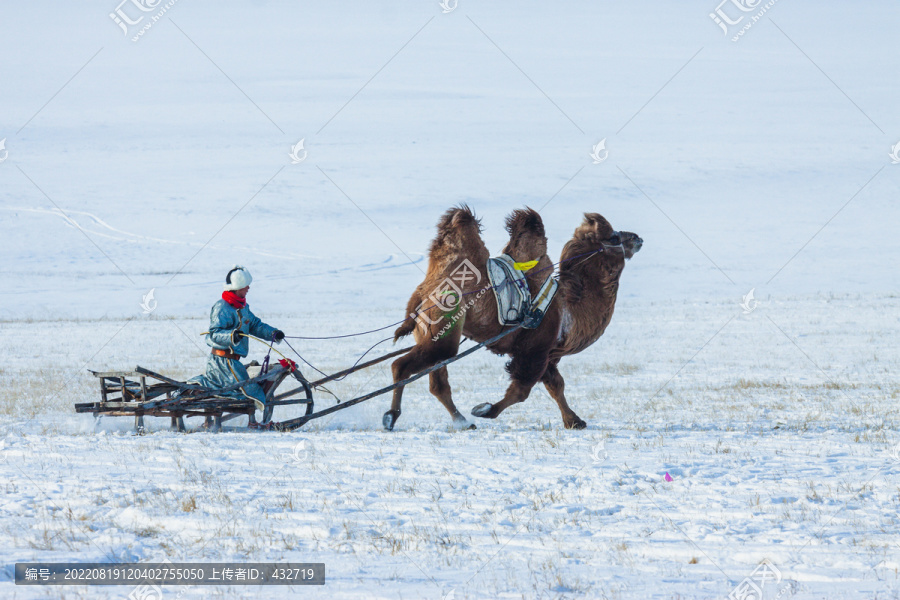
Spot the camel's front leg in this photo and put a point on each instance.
(526, 371)
(556, 386)
(515, 393)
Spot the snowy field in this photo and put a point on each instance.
(759, 164)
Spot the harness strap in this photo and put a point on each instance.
(514, 301)
(510, 289)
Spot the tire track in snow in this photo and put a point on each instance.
(135, 237)
(387, 263)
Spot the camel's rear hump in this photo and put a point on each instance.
(458, 236)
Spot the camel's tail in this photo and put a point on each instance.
(409, 324)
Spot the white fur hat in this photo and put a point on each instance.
(238, 278)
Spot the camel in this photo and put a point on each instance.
(454, 301)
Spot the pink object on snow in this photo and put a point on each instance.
(668, 477)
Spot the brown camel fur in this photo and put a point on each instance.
(443, 312)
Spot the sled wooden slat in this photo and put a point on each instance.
(111, 374)
(178, 384)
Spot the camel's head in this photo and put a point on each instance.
(527, 240)
(615, 245)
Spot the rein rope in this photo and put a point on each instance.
(528, 274)
(268, 343)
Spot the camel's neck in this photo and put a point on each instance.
(588, 303)
(594, 296)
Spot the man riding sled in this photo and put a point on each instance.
(230, 321)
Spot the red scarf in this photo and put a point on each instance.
(234, 300)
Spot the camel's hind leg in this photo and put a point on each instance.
(426, 353)
(556, 386)
(439, 384)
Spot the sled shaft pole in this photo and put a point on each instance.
(299, 422)
(364, 365)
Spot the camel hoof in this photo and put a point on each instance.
(389, 418)
(461, 424)
(576, 423)
(483, 410)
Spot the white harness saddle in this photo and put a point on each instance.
(514, 302)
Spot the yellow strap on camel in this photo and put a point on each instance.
(525, 266)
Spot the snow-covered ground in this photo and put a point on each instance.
(778, 430)
(759, 164)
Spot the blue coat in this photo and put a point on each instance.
(224, 319)
(221, 371)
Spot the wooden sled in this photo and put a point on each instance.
(143, 392)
